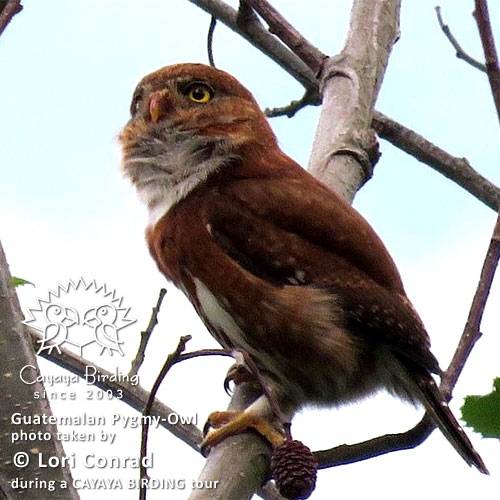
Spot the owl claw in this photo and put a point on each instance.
(238, 373)
(230, 423)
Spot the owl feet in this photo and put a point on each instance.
(229, 423)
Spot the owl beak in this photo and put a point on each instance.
(158, 105)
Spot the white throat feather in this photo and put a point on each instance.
(165, 166)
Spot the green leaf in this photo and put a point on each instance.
(20, 282)
(482, 413)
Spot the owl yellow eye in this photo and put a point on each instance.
(199, 92)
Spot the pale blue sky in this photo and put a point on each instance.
(68, 70)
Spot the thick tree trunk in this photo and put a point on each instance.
(19, 460)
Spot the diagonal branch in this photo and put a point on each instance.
(460, 52)
(472, 327)
(280, 27)
(170, 361)
(457, 169)
(9, 10)
(490, 53)
(351, 453)
(146, 335)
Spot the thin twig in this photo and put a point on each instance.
(351, 453)
(490, 54)
(460, 52)
(203, 352)
(171, 360)
(10, 9)
(146, 334)
(210, 41)
(472, 333)
(472, 330)
(293, 107)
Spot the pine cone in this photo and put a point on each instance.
(293, 467)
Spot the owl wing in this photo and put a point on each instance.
(292, 232)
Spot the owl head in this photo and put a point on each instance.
(187, 122)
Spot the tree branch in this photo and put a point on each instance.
(146, 334)
(293, 107)
(351, 453)
(280, 27)
(210, 41)
(171, 360)
(472, 332)
(485, 32)
(460, 53)
(458, 170)
(345, 148)
(9, 9)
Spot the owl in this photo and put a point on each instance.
(277, 265)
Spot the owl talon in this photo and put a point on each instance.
(230, 423)
(239, 374)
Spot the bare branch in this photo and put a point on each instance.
(344, 147)
(460, 52)
(146, 334)
(280, 27)
(292, 108)
(347, 454)
(492, 68)
(9, 10)
(171, 360)
(472, 331)
(458, 170)
(240, 462)
(203, 352)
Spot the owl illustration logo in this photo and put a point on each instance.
(80, 314)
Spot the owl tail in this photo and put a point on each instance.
(442, 416)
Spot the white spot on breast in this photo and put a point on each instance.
(300, 275)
